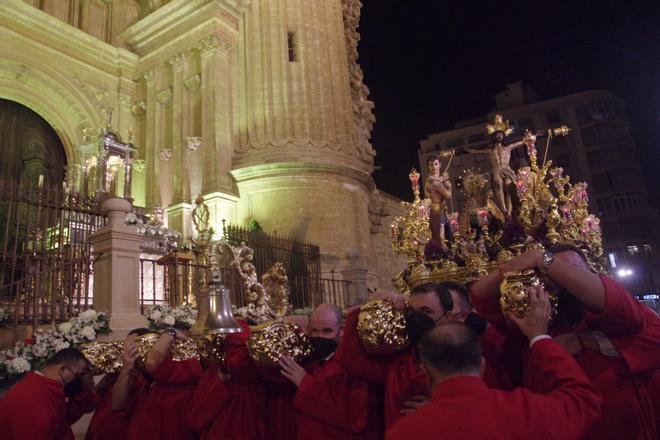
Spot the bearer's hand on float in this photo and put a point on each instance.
(292, 370)
(535, 322)
(129, 355)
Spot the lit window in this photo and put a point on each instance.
(612, 257)
(633, 250)
(648, 249)
(291, 45)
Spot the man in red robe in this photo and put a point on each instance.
(404, 382)
(317, 400)
(330, 403)
(37, 407)
(561, 403)
(226, 408)
(156, 406)
(107, 424)
(611, 335)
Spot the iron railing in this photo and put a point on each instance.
(301, 260)
(178, 281)
(45, 253)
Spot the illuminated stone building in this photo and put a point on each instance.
(258, 105)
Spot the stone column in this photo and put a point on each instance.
(151, 191)
(216, 88)
(358, 275)
(216, 114)
(177, 128)
(117, 269)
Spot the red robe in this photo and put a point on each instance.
(400, 373)
(36, 408)
(463, 407)
(277, 391)
(331, 404)
(159, 411)
(226, 410)
(620, 370)
(328, 404)
(106, 424)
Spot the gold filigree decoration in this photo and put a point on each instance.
(382, 328)
(272, 340)
(276, 284)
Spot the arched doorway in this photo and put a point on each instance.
(29, 147)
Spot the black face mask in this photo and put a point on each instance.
(323, 347)
(476, 323)
(74, 387)
(569, 309)
(417, 324)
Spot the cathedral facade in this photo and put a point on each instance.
(258, 105)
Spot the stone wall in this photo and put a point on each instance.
(384, 264)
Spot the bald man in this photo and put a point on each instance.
(611, 335)
(328, 402)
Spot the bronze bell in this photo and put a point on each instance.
(214, 313)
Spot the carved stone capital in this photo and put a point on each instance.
(138, 165)
(164, 97)
(193, 143)
(214, 42)
(138, 108)
(176, 61)
(150, 77)
(192, 83)
(165, 154)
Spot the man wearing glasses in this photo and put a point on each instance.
(43, 404)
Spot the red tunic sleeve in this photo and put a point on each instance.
(355, 359)
(173, 372)
(335, 399)
(567, 403)
(641, 352)
(622, 314)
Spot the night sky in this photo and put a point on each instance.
(431, 63)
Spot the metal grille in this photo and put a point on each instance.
(302, 261)
(46, 258)
(178, 281)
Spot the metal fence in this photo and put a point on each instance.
(302, 261)
(174, 281)
(46, 256)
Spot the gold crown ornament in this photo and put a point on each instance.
(499, 125)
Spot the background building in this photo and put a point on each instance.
(257, 105)
(599, 150)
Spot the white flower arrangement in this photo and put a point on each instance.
(33, 352)
(163, 316)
